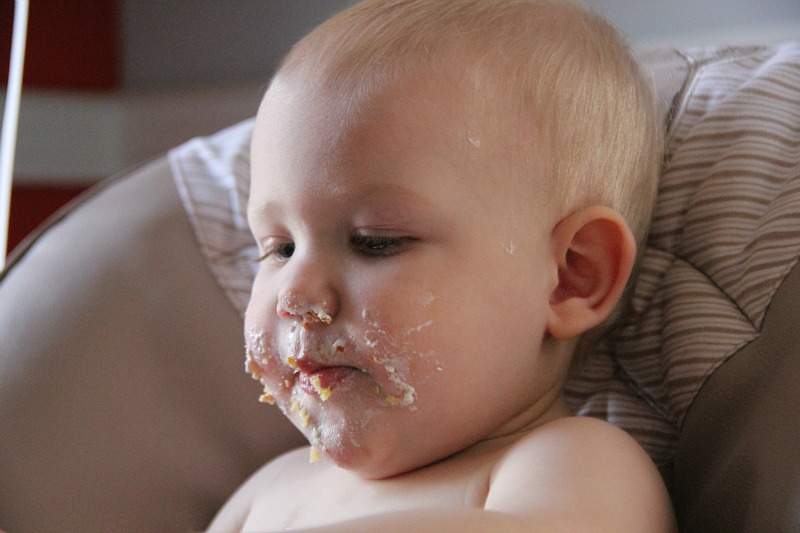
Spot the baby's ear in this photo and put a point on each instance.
(595, 251)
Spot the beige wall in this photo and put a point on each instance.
(191, 67)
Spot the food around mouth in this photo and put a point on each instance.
(324, 392)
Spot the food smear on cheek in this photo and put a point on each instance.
(395, 353)
(254, 348)
(260, 364)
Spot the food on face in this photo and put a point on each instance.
(305, 418)
(254, 348)
(318, 315)
(408, 392)
(311, 313)
(313, 455)
(338, 346)
(392, 400)
(291, 361)
(324, 392)
(267, 396)
(252, 367)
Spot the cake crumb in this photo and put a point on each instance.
(266, 396)
(313, 455)
(324, 392)
(305, 418)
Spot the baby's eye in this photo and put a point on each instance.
(379, 246)
(280, 251)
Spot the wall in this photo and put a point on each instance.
(192, 67)
(215, 40)
(208, 42)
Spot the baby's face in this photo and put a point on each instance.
(399, 309)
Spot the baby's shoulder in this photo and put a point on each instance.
(588, 437)
(570, 443)
(577, 443)
(583, 465)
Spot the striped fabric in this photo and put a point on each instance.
(213, 178)
(725, 232)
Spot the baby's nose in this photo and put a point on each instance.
(295, 305)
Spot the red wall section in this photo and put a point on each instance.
(32, 204)
(72, 44)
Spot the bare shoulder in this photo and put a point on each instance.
(239, 507)
(579, 467)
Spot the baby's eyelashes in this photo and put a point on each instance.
(379, 245)
(280, 251)
(364, 245)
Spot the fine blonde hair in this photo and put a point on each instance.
(555, 79)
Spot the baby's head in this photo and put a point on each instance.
(445, 194)
(550, 94)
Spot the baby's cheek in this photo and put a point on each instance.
(261, 362)
(398, 339)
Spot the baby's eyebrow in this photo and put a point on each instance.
(259, 210)
(391, 200)
(384, 203)
(377, 191)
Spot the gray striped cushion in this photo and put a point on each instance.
(725, 232)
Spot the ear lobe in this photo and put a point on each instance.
(594, 250)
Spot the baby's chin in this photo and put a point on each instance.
(371, 462)
(370, 454)
(380, 454)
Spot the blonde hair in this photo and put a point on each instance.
(556, 79)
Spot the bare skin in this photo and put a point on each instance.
(414, 314)
(572, 474)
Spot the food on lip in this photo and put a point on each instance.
(324, 392)
(291, 361)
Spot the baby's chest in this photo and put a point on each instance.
(341, 497)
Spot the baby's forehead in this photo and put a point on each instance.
(414, 104)
(420, 115)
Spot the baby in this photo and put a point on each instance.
(447, 197)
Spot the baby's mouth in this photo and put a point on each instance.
(322, 381)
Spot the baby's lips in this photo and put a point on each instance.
(323, 381)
